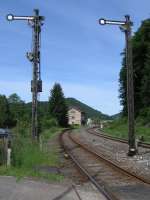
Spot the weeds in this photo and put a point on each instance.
(119, 128)
(26, 155)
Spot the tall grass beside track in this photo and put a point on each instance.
(27, 156)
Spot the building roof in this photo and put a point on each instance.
(76, 108)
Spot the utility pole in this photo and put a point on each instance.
(35, 22)
(130, 87)
(125, 26)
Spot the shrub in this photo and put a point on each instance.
(144, 116)
(48, 123)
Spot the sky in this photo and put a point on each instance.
(76, 51)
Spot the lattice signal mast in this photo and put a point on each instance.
(35, 22)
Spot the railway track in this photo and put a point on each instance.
(105, 175)
(104, 135)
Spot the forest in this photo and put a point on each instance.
(141, 67)
(141, 73)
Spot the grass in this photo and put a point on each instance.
(50, 133)
(20, 173)
(26, 156)
(75, 126)
(143, 131)
(119, 128)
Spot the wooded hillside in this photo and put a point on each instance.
(141, 65)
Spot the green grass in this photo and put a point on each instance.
(75, 126)
(50, 133)
(116, 128)
(119, 128)
(143, 130)
(20, 173)
(26, 156)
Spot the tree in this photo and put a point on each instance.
(57, 105)
(141, 67)
(123, 87)
(14, 98)
(17, 107)
(145, 86)
(6, 119)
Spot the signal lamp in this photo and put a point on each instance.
(10, 17)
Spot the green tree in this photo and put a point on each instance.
(17, 107)
(21, 113)
(123, 87)
(57, 105)
(6, 119)
(14, 98)
(145, 86)
(141, 66)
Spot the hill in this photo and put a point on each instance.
(116, 116)
(89, 111)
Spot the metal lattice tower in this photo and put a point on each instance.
(35, 22)
(36, 83)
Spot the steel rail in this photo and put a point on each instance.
(72, 187)
(117, 139)
(109, 162)
(101, 188)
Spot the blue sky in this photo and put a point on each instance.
(76, 52)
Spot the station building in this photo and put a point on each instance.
(76, 116)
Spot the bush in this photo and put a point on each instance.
(23, 129)
(48, 123)
(144, 116)
(75, 126)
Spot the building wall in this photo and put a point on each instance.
(74, 116)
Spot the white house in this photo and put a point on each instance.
(75, 116)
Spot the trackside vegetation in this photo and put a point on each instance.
(141, 68)
(27, 157)
(30, 158)
(119, 128)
